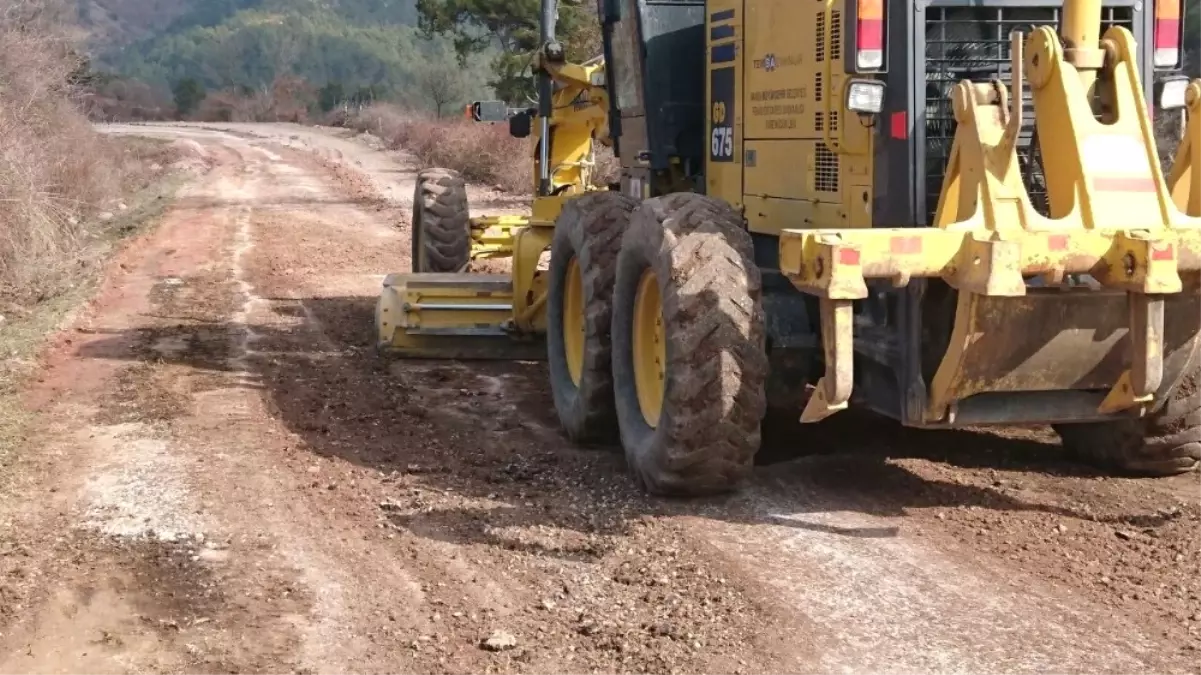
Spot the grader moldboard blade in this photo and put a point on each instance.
(451, 316)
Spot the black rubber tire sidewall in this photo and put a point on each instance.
(460, 237)
(585, 410)
(637, 437)
(1165, 443)
(707, 434)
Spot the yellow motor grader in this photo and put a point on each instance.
(441, 311)
(950, 213)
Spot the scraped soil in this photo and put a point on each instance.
(224, 476)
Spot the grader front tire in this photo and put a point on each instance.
(579, 312)
(701, 435)
(1165, 443)
(441, 222)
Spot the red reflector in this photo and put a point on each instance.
(848, 256)
(871, 35)
(1167, 34)
(900, 125)
(1057, 242)
(1166, 253)
(905, 245)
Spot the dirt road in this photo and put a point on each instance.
(224, 477)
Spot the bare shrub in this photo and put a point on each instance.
(287, 99)
(56, 172)
(483, 153)
(121, 100)
(1169, 130)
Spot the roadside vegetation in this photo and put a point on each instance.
(67, 193)
(483, 153)
(401, 70)
(61, 182)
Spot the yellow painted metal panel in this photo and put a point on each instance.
(770, 215)
(723, 90)
(794, 169)
(781, 66)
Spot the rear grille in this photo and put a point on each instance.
(972, 43)
(825, 174)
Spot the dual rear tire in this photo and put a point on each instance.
(672, 357)
(1166, 442)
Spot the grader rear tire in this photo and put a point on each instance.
(583, 265)
(441, 222)
(686, 277)
(1165, 443)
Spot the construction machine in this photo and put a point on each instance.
(440, 310)
(950, 213)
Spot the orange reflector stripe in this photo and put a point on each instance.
(1057, 242)
(905, 245)
(1118, 184)
(871, 10)
(1167, 9)
(1164, 253)
(848, 256)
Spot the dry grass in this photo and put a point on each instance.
(128, 101)
(58, 177)
(483, 153)
(56, 173)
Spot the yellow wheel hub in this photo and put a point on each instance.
(650, 348)
(573, 320)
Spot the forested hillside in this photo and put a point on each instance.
(118, 23)
(252, 48)
(425, 54)
(335, 50)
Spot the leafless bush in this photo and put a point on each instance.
(608, 167)
(484, 153)
(56, 172)
(127, 101)
(287, 99)
(1169, 129)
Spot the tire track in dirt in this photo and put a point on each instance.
(948, 607)
(933, 603)
(133, 550)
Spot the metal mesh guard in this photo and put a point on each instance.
(973, 43)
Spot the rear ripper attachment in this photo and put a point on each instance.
(1027, 318)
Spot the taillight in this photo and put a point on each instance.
(869, 35)
(1168, 33)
